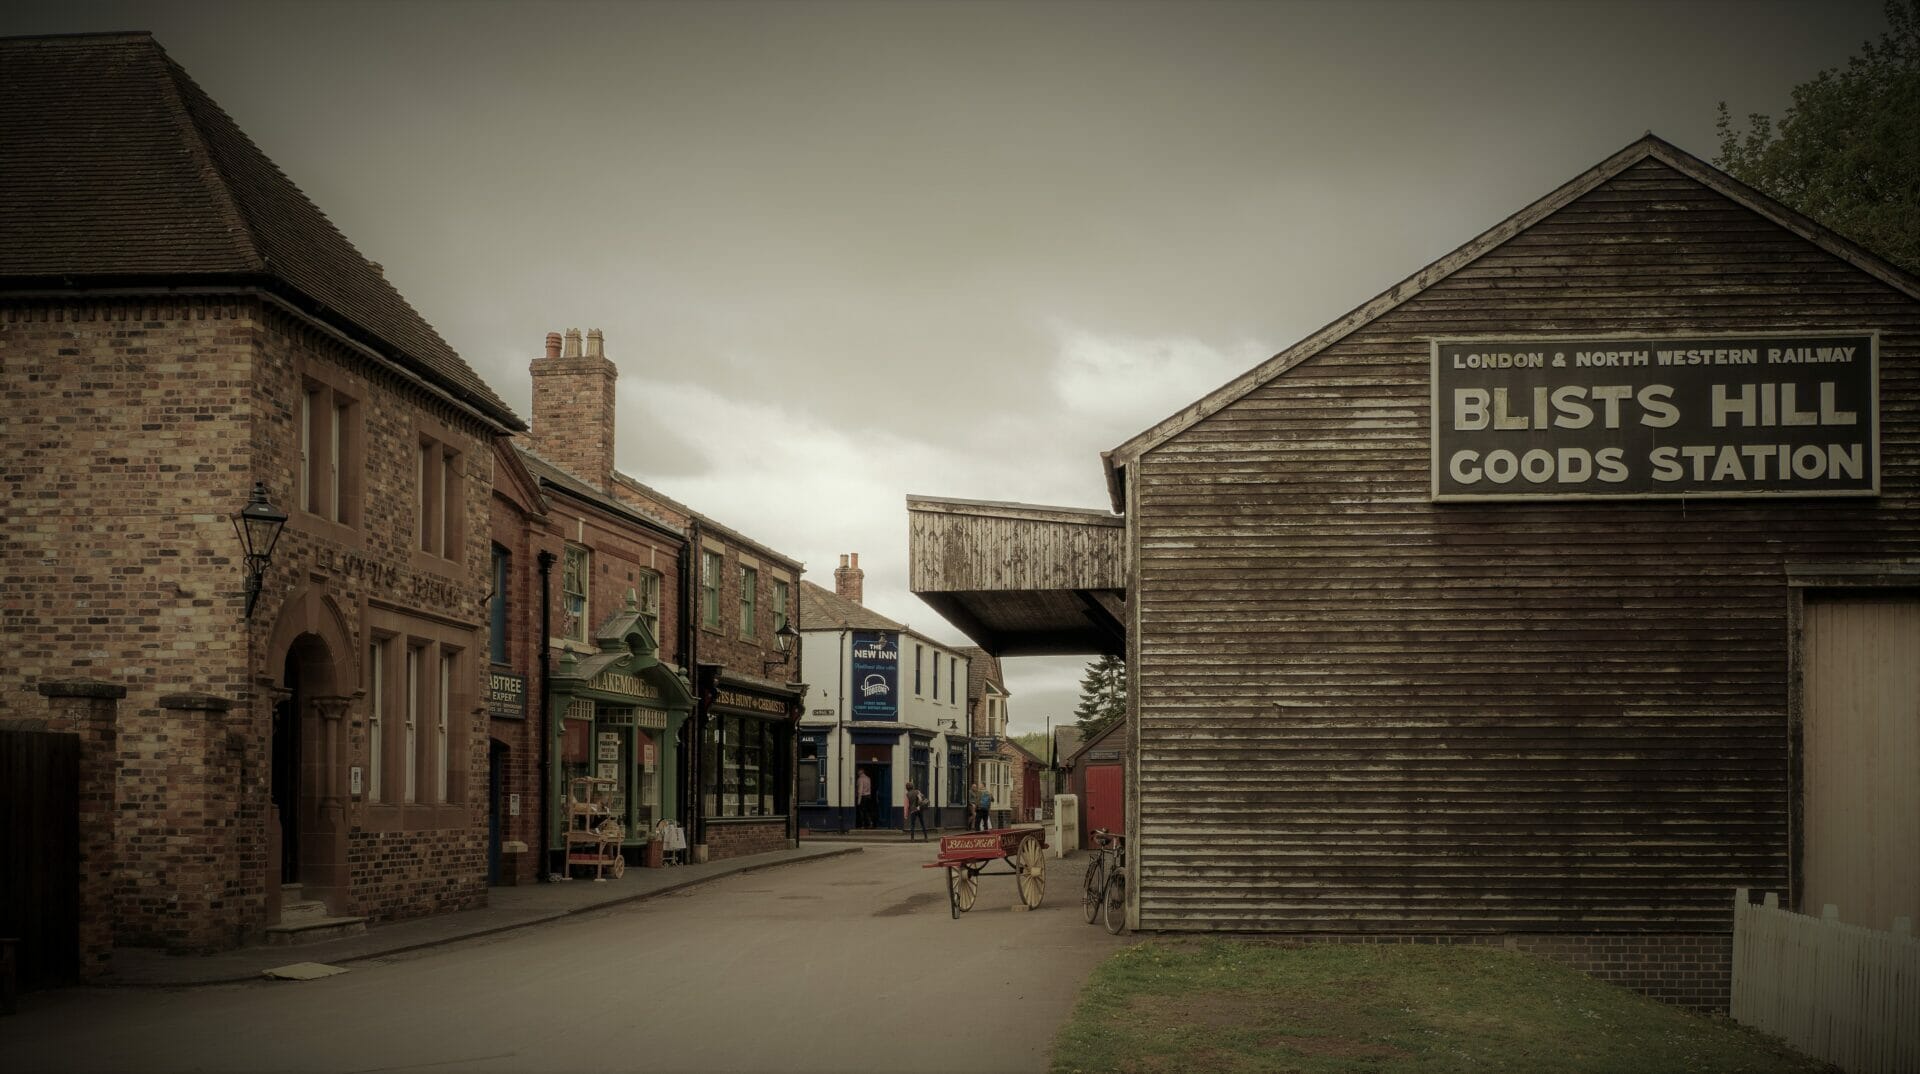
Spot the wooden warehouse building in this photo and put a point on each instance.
(1543, 600)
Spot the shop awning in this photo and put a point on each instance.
(1021, 579)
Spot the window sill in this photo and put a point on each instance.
(304, 521)
(428, 561)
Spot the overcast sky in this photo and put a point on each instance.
(845, 252)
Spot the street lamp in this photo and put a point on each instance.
(258, 526)
(784, 637)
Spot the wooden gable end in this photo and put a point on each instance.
(1362, 711)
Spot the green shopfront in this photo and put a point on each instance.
(617, 717)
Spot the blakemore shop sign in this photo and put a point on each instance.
(1775, 415)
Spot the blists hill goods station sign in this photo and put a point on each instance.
(1659, 416)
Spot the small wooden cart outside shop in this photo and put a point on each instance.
(593, 835)
(965, 857)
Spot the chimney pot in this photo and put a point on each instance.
(573, 344)
(850, 581)
(596, 343)
(553, 344)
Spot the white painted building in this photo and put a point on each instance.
(882, 700)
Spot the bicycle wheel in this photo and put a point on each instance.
(1115, 904)
(1096, 887)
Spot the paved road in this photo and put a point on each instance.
(850, 964)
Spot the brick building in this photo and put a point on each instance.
(987, 697)
(698, 728)
(178, 323)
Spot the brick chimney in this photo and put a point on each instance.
(573, 406)
(849, 580)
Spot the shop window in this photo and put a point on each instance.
(922, 770)
(710, 589)
(956, 777)
(782, 592)
(810, 786)
(329, 447)
(749, 596)
(742, 768)
(497, 606)
(574, 579)
(440, 512)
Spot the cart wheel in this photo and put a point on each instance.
(965, 884)
(953, 893)
(1095, 889)
(618, 867)
(1033, 872)
(1115, 910)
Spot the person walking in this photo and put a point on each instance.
(983, 807)
(863, 802)
(916, 811)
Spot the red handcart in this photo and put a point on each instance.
(965, 857)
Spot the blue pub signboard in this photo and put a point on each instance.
(875, 667)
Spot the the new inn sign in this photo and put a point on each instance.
(1656, 416)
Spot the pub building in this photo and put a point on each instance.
(1543, 600)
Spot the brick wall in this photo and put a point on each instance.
(733, 839)
(1691, 970)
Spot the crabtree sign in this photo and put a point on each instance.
(1656, 416)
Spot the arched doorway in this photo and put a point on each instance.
(309, 806)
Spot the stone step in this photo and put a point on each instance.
(314, 930)
(299, 912)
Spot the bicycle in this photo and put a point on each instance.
(1104, 894)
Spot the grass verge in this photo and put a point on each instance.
(1240, 1005)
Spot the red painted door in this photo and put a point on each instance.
(1106, 798)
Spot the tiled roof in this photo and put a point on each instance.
(982, 669)
(117, 170)
(823, 609)
(555, 477)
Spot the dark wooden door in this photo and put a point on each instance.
(40, 854)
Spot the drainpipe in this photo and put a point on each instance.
(840, 731)
(689, 765)
(546, 713)
(697, 817)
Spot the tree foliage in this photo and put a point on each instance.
(1103, 696)
(1847, 152)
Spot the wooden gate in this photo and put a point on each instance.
(40, 854)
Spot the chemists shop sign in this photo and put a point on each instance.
(1786, 415)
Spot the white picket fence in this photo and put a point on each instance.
(1845, 994)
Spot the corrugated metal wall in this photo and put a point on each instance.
(1360, 711)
